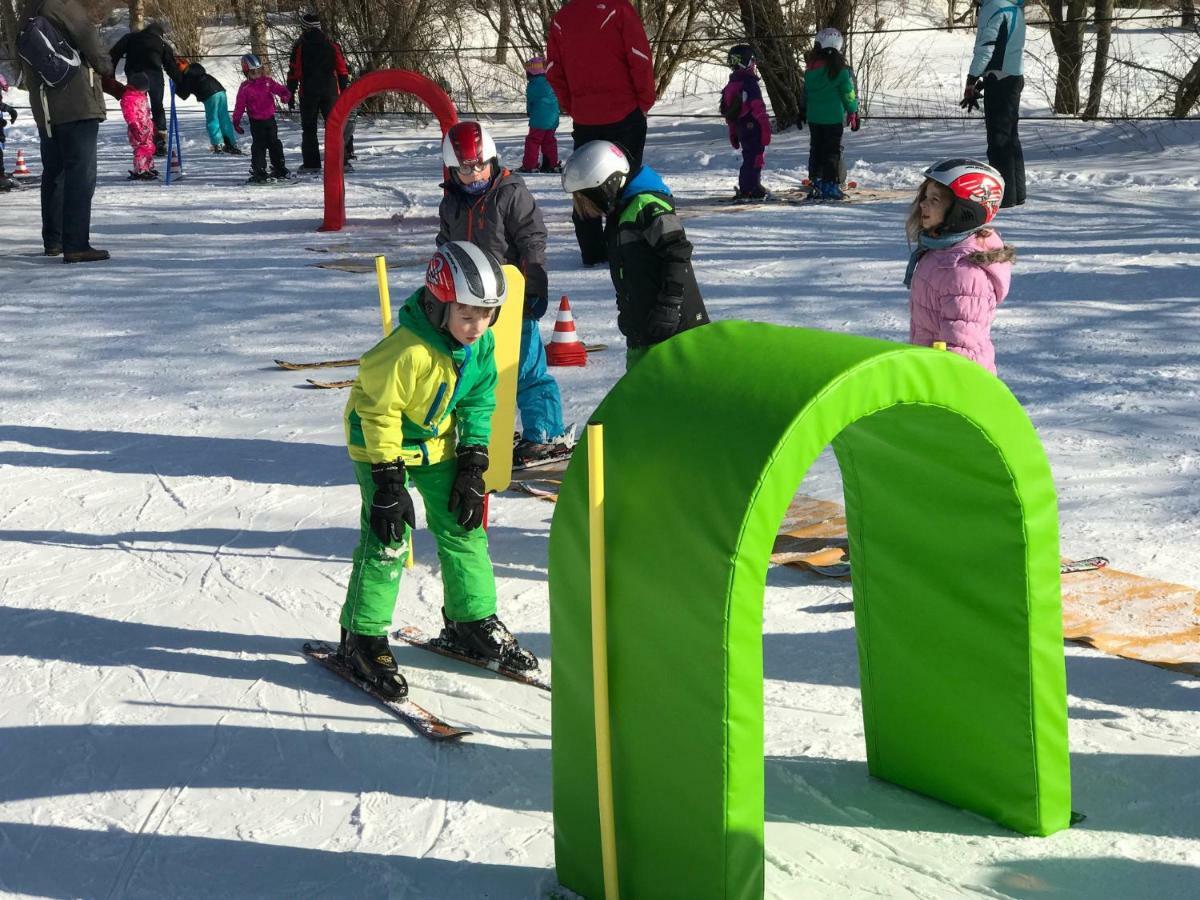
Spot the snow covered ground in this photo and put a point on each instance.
(176, 517)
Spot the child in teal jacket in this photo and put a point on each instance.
(831, 102)
(542, 107)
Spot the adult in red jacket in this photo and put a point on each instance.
(599, 63)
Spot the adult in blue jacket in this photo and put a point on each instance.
(997, 74)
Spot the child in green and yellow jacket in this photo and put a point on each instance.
(830, 102)
(421, 409)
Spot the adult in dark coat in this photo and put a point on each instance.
(318, 73)
(147, 51)
(68, 120)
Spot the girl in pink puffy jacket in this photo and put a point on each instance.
(135, 107)
(960, 270)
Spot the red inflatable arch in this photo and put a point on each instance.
(371, 83)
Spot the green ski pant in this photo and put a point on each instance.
(468, 583)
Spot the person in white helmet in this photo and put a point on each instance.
(960, 269)
(420, 413)
(649, 255)
(831, 103)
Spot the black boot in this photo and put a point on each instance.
(488, 639)
(371, 659)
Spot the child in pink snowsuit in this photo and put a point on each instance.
(960, 270)
(135, 106)
(256, 97)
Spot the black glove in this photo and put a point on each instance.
(466, 496)
(971, 94)
(663, 320)
(535, 307)
(12, 115)
(392, 507)
(343, 82)
(292, 102)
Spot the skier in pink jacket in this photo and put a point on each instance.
(135, 107)
(960, 270)
(256, 96)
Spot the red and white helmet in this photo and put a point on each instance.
(467, 144)
(462, 272)
(977, 188)
(829, 38)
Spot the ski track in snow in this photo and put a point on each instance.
(177, 517)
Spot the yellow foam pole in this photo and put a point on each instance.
(385, 299)
(939, 345)
(604, 785)
(385, 315)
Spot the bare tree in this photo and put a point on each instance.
(1066, 34)
(766, 29)
(137, 15)
(8, 29)
(1103, 19)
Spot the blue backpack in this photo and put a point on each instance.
(47, 52)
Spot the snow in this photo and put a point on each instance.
(177, 517)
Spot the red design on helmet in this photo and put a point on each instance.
(977, 189)
(467, 143)
(439, 279)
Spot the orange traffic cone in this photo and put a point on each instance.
(21, 169)
(176, 169)
(565, 348)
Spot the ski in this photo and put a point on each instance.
(561, 453)
(530, 488)
(1083, 565)
(418, 718)
(321, 364)
(410, 634)
(330, 385)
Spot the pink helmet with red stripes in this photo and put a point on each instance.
(977, 188)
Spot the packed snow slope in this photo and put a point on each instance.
(177, 517)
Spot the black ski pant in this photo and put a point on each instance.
(264, 139)
(313, 105)
(825, 153)
(68, 183)
(630, 133)
(1001, 113)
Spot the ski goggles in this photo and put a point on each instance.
(472, 168)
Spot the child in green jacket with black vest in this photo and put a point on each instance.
(420, 411)
(649, 255)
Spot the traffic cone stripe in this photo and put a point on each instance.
(565, 348)
(21, 168)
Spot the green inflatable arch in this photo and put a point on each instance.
(953, 531)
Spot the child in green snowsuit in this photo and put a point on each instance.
(420, 412)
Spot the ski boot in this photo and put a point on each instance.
(370, 657)
(548, 169)
(528, 170)
(216, 148)
(280, 175)
(831, 191)
(487, 639)
(526, 453)
(758, 193)
(309, 170)
(232, 149)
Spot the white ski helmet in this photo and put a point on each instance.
(462, 272)
(977, 188)
(829, 38)
(598, 169)
(467, 144)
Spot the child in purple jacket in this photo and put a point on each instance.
(746, 115)
(256, 96)
(960, 270)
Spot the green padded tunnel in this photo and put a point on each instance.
(953, 531)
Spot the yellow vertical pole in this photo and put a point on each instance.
(604, 784)
(938, 345)
(385, 299)
(385, 315)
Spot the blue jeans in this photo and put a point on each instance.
(216, 119)
(537, 391)
(68, 183)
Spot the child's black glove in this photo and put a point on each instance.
(12, 115)
(535, 306)
(392, 507)
(466, 496)
(663, 320)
